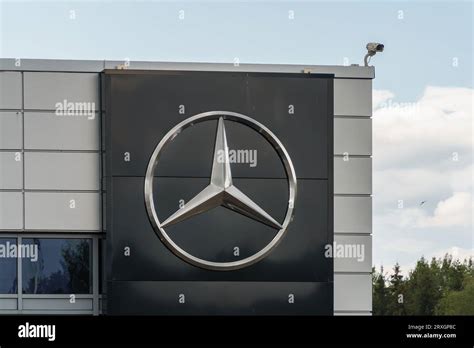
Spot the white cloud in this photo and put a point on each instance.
(457, 253)
(462, 179)
(410, 245)
(431, 129)
(454, 211)
(412, 185)
(380, 96)
(423, 152)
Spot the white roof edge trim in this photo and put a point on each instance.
(63, 65)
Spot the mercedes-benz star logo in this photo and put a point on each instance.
(221, 191)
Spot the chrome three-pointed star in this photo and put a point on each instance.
(221, 191)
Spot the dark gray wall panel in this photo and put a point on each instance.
(51, 211)
(140, 108)
(11, 170)
(220, 298)
(43, 90)
(10, 90)
(11, 130)
(305, 133)
(62, 171)
(299, 257)
(47, 131)
(11, 210)
(155, 103)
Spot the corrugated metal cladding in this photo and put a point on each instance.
(50, 174)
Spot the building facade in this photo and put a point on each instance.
(54, 181)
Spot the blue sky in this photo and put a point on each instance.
(417, 67)
(419, 48)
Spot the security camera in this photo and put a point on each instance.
(372, 49)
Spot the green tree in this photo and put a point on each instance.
(452, 273)
(443, 286)
(422, 290)
(396, 290)
(379, 298)
(458, 302)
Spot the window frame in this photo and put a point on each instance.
(95, 296)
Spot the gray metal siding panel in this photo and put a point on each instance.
(353, 97)
(8, 304)
(47, 131)
(43, 90)
(11, 210)
(352, 136)
(11, 170)
(358, 313)
(60, 65)
(353, 292)
(10, 90)
(353, 176)
(352, 214)
(354, 263)
(11, 130)
(51, 211)
(52, 304)
(62, 171)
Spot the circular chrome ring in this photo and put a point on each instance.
(150, 204)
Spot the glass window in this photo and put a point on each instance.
(8, 266)
(62, 266)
